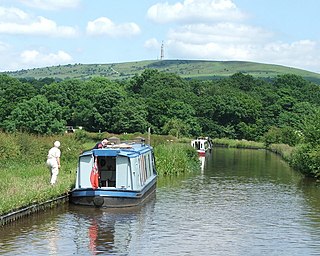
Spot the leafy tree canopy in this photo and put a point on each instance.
(37, 116)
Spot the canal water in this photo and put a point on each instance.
(243, 202)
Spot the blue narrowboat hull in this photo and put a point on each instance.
(112, 198)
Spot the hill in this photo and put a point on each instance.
(197, 69)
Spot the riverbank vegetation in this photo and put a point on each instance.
(233, 143)
(25, 178)
(176, 159)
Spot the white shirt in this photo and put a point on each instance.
(54, 153)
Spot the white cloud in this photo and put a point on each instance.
(12, 60)
(191, 11)
(152, 43)
(219, 33)
(12, 15)
(224, 41)
(302, 54)
(15, 21)
(35, 58)
(51, 4)
(208, 51)
(105, 26)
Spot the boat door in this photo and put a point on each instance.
(123, 177)
(107, 171)
(83, 172)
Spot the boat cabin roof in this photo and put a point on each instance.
(123, 149)
(199, 140)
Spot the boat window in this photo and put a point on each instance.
(143, 169)
(148, 165)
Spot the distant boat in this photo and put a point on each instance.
(202, 145)
(120, 175)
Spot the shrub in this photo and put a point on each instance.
(306, 159)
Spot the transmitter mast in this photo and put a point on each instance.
(162, 52)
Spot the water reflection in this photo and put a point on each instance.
(53, 241)
(202, 160)
(70, 229)
(108, 230)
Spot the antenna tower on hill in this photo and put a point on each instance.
(162, 52)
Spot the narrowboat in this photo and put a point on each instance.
(119, 175)
(202, 145)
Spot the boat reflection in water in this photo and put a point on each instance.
(202, 163)
(93, 235)
(109, 230)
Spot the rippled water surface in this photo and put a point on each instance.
(244, 202)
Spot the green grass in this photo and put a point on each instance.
(24, 184)
(199, 69)
(25, 178)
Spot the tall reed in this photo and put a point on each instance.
(284, 150)
(175, 159)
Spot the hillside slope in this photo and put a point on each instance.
(197, 69)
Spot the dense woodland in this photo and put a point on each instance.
(283, 110)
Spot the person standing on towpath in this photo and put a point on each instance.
(53, 161)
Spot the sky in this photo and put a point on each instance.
(42, 33)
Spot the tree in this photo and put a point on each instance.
(105, 96)
(152, 81)
(181, 116)
(37, 116)
(87, 116)
(129, 116)
(67, 94)
(231, 107)
(312, 128)
(176, 127)
(136, 84)
(12, 91)
(296, 117)
(273, 135)
(243, 82)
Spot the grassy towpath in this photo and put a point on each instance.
(25, 178)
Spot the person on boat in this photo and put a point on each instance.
(53, 161)
(101, 144)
